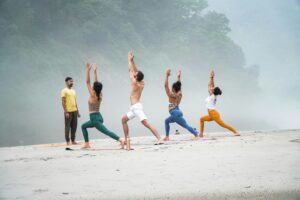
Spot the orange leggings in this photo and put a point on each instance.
(213, 115)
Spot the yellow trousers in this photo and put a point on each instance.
(213, 115)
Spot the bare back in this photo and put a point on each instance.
(174, 99)
(136, 92)
(94, 103)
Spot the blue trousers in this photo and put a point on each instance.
(177, 116)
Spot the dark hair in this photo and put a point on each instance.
(68, 78)
(177, 86)
(98, 88)
(139, 76)
(217, 91)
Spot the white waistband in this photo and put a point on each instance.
(139, 104)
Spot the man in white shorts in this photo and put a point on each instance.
(136, 109)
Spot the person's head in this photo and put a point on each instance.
(217, 91)
(176, 87)
(97, 88)
(69, 82)
(139, 76)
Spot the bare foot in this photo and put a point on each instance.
(201, 135)
(166, 138)
(68, 143)
(237, 134)
(128, 143)
(86, 146)
(196, 137)
(128, 148)
(75, 143)
(122, 142)
(159, 142)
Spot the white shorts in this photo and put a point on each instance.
(136, 110)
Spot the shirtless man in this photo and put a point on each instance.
(136, 109)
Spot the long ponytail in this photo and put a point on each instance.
(98, 88)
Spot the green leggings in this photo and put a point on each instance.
(96, 120)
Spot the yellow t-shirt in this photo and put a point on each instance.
(70, 96)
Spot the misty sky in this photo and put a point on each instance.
(268, 32)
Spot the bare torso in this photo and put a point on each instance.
(136, 92)
(174, 100)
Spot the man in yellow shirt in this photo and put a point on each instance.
(68, 96)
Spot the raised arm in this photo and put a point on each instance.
(131, 65)
(179, 76)
(88, 79)
(95, 72)
(179, 79)
(168, 73)
(211, 83)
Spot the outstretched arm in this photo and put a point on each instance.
(131, 65)
(88, 79)
(168, 73)
(211, 83)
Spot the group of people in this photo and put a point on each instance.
(174, 94)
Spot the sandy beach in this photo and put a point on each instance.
(257, 165)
